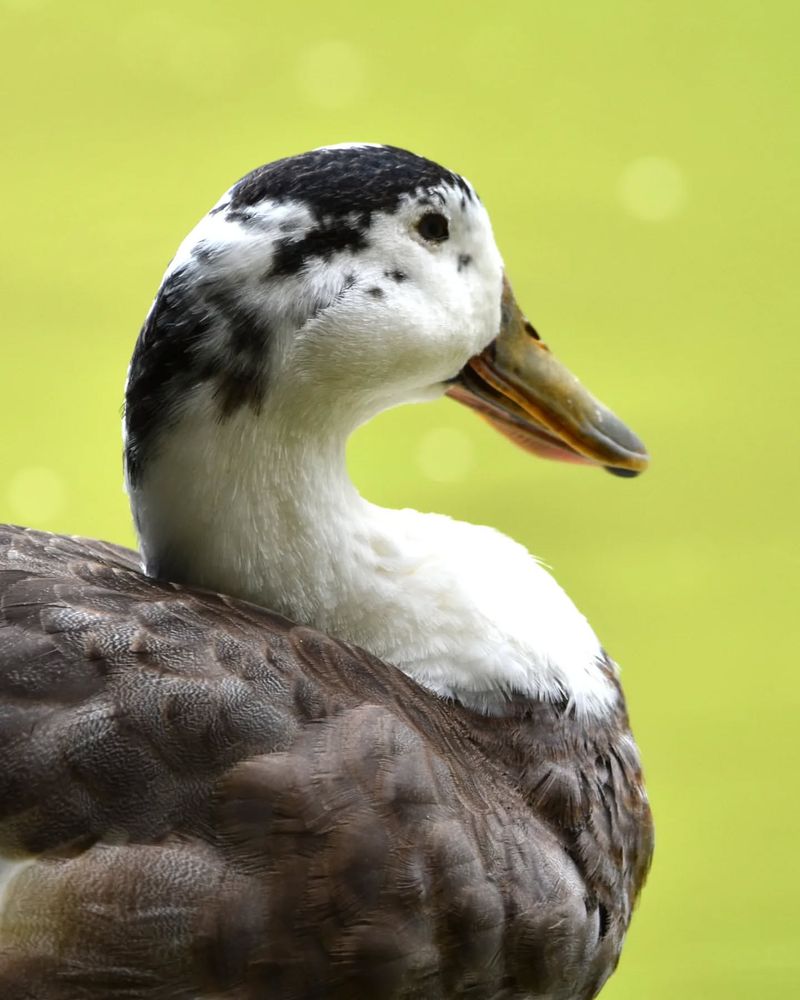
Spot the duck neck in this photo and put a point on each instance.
(265, 511)
(256, 509)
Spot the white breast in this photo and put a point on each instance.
(466, 611)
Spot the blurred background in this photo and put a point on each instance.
(640, 161)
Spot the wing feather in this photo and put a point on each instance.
(200, 799)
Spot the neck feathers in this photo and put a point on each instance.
(249, 508)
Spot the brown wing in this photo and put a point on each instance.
(202, 800)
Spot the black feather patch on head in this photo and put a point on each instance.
(342, 188)
(337, 182)
(174, 354)
(203, 331)
(322, 241)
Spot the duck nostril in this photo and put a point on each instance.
(531, 331)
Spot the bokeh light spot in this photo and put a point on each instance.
(652, 189)
(445, 455)
(331, 73)
(36, 494)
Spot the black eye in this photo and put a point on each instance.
(434, 227)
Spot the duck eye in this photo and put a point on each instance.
(434, 227)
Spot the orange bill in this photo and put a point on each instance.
(529, 396)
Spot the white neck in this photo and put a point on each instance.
(257, 509)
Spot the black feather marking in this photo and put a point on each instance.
(332, 182)
(324, 241)
(172, 357)
(243, 215)
(205, 252)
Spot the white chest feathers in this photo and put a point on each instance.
(464, 610)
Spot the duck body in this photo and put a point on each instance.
(303, 747)
(203, 799)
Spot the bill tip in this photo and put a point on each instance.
(622, 473)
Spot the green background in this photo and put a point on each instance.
(640, 163)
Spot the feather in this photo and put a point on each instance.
(217, 802)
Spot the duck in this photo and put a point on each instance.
(299, 746)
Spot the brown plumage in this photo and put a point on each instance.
(221, 804)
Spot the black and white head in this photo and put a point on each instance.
(345, 280)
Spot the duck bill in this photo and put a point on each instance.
(534, 400)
